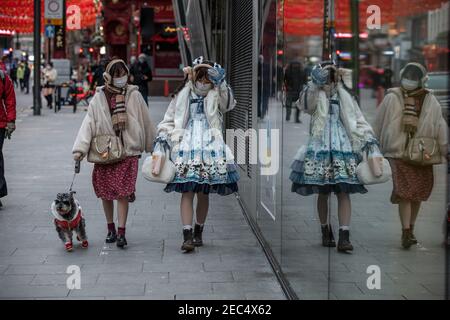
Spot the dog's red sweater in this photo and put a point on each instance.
(68, 225)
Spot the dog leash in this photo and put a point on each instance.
(77, 170)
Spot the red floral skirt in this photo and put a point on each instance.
(116, 180)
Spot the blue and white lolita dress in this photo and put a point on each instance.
(329, 163)
(204, 162)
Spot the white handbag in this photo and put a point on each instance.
(366, 176)
(300, 155)
(166, 174)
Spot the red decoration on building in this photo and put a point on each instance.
(18, 15)
(305, 17)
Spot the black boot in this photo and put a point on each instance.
(412, 236)
(288, 113)
(327, 237)
(121, 241)
(344, 243)
(407, 241)
(198, 230)
(188, 244)
(111, 237)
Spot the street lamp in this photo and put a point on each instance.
(37, 60)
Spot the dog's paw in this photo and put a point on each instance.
(69, 246)
(84, 244)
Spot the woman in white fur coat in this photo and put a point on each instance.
(327, 164)
(116, 108)
(410, 111)
(193, 127)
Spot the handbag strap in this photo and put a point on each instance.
(121, 138)
(165, 146)
(96, 145)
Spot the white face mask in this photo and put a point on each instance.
(203, 88)
(120, 82)
(409, 85)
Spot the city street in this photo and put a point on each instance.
(33, 261)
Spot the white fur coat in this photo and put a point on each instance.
(388, 124)
(314, 101)
(218, 101)
(137, 137)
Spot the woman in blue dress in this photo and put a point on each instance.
(193, 126)
(338, 135)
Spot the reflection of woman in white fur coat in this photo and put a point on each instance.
(339, 134)
(193, 126)
(406, 112)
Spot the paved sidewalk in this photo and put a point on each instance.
(33, 261)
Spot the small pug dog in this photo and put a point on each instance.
(68, 218)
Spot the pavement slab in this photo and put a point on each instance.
(33, 262)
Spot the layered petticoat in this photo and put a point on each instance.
(203, 161)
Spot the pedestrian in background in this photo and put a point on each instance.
(116, 109)
(26, 77)
(7, 123)
(294, 79)
(97, 80)
(13, 73)
(378, 90)
(141, 75)
(132, 62)
(387, 78)
(49, 76)
(407, 112)
(192, 126)
(264, 87)
(20, 76)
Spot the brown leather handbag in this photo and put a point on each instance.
(422, 152)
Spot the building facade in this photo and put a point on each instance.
(257, 41)
(132, 27)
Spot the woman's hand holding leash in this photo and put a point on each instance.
(78, 156)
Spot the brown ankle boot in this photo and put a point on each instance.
(198, 231)
(406, 238)
(344, 244)
(413, 237)
(188, 244)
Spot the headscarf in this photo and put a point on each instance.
(413, 99)
(119, 116)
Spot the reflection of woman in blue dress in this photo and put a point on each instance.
(328, 163)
